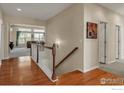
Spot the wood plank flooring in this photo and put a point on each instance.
(24, 71)
(94, 77)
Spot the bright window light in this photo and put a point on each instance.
(39, 30)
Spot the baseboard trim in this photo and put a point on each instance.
(86, 70)
(5, 58)
(111, 62)
(81, 70)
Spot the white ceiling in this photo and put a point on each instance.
(117, 7)
(44, 11)
(41, 11)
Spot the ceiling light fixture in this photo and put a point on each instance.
(19, 9)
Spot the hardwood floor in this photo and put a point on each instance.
(23, 71)
(90, 78)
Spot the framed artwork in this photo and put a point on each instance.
(91, 30)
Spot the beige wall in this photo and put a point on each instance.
(1, 35)
(67, 28)
(23, 20)
(96, 13)
(17, 20)
(13, 37)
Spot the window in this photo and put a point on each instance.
(24, 37)
(24, 34)
(38, 37)
(39, 34)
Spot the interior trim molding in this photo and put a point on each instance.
(110, 62)
(89, 69)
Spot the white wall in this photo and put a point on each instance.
(96, 13)
(67, 28)
(1, 36)
(17, 20)
(13, 36)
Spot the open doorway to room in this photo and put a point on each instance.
(102, 42)
(20, 38)
(116, 66)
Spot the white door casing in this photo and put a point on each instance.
(102, 42)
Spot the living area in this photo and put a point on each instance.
(21, 36)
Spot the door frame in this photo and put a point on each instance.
(105, 42)
(118, 26)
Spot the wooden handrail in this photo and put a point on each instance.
(48, 47)
(68, 55)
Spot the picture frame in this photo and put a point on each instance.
(91, 30)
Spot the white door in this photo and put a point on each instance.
(117, 41)
(102, 43)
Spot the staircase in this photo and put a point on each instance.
(42, 60)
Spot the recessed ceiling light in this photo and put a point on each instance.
(19, 9)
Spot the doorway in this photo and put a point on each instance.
(102, 42)
(117, 42)
(20, 38)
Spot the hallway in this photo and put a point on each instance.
(24, 71)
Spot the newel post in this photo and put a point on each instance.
(54, 55)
